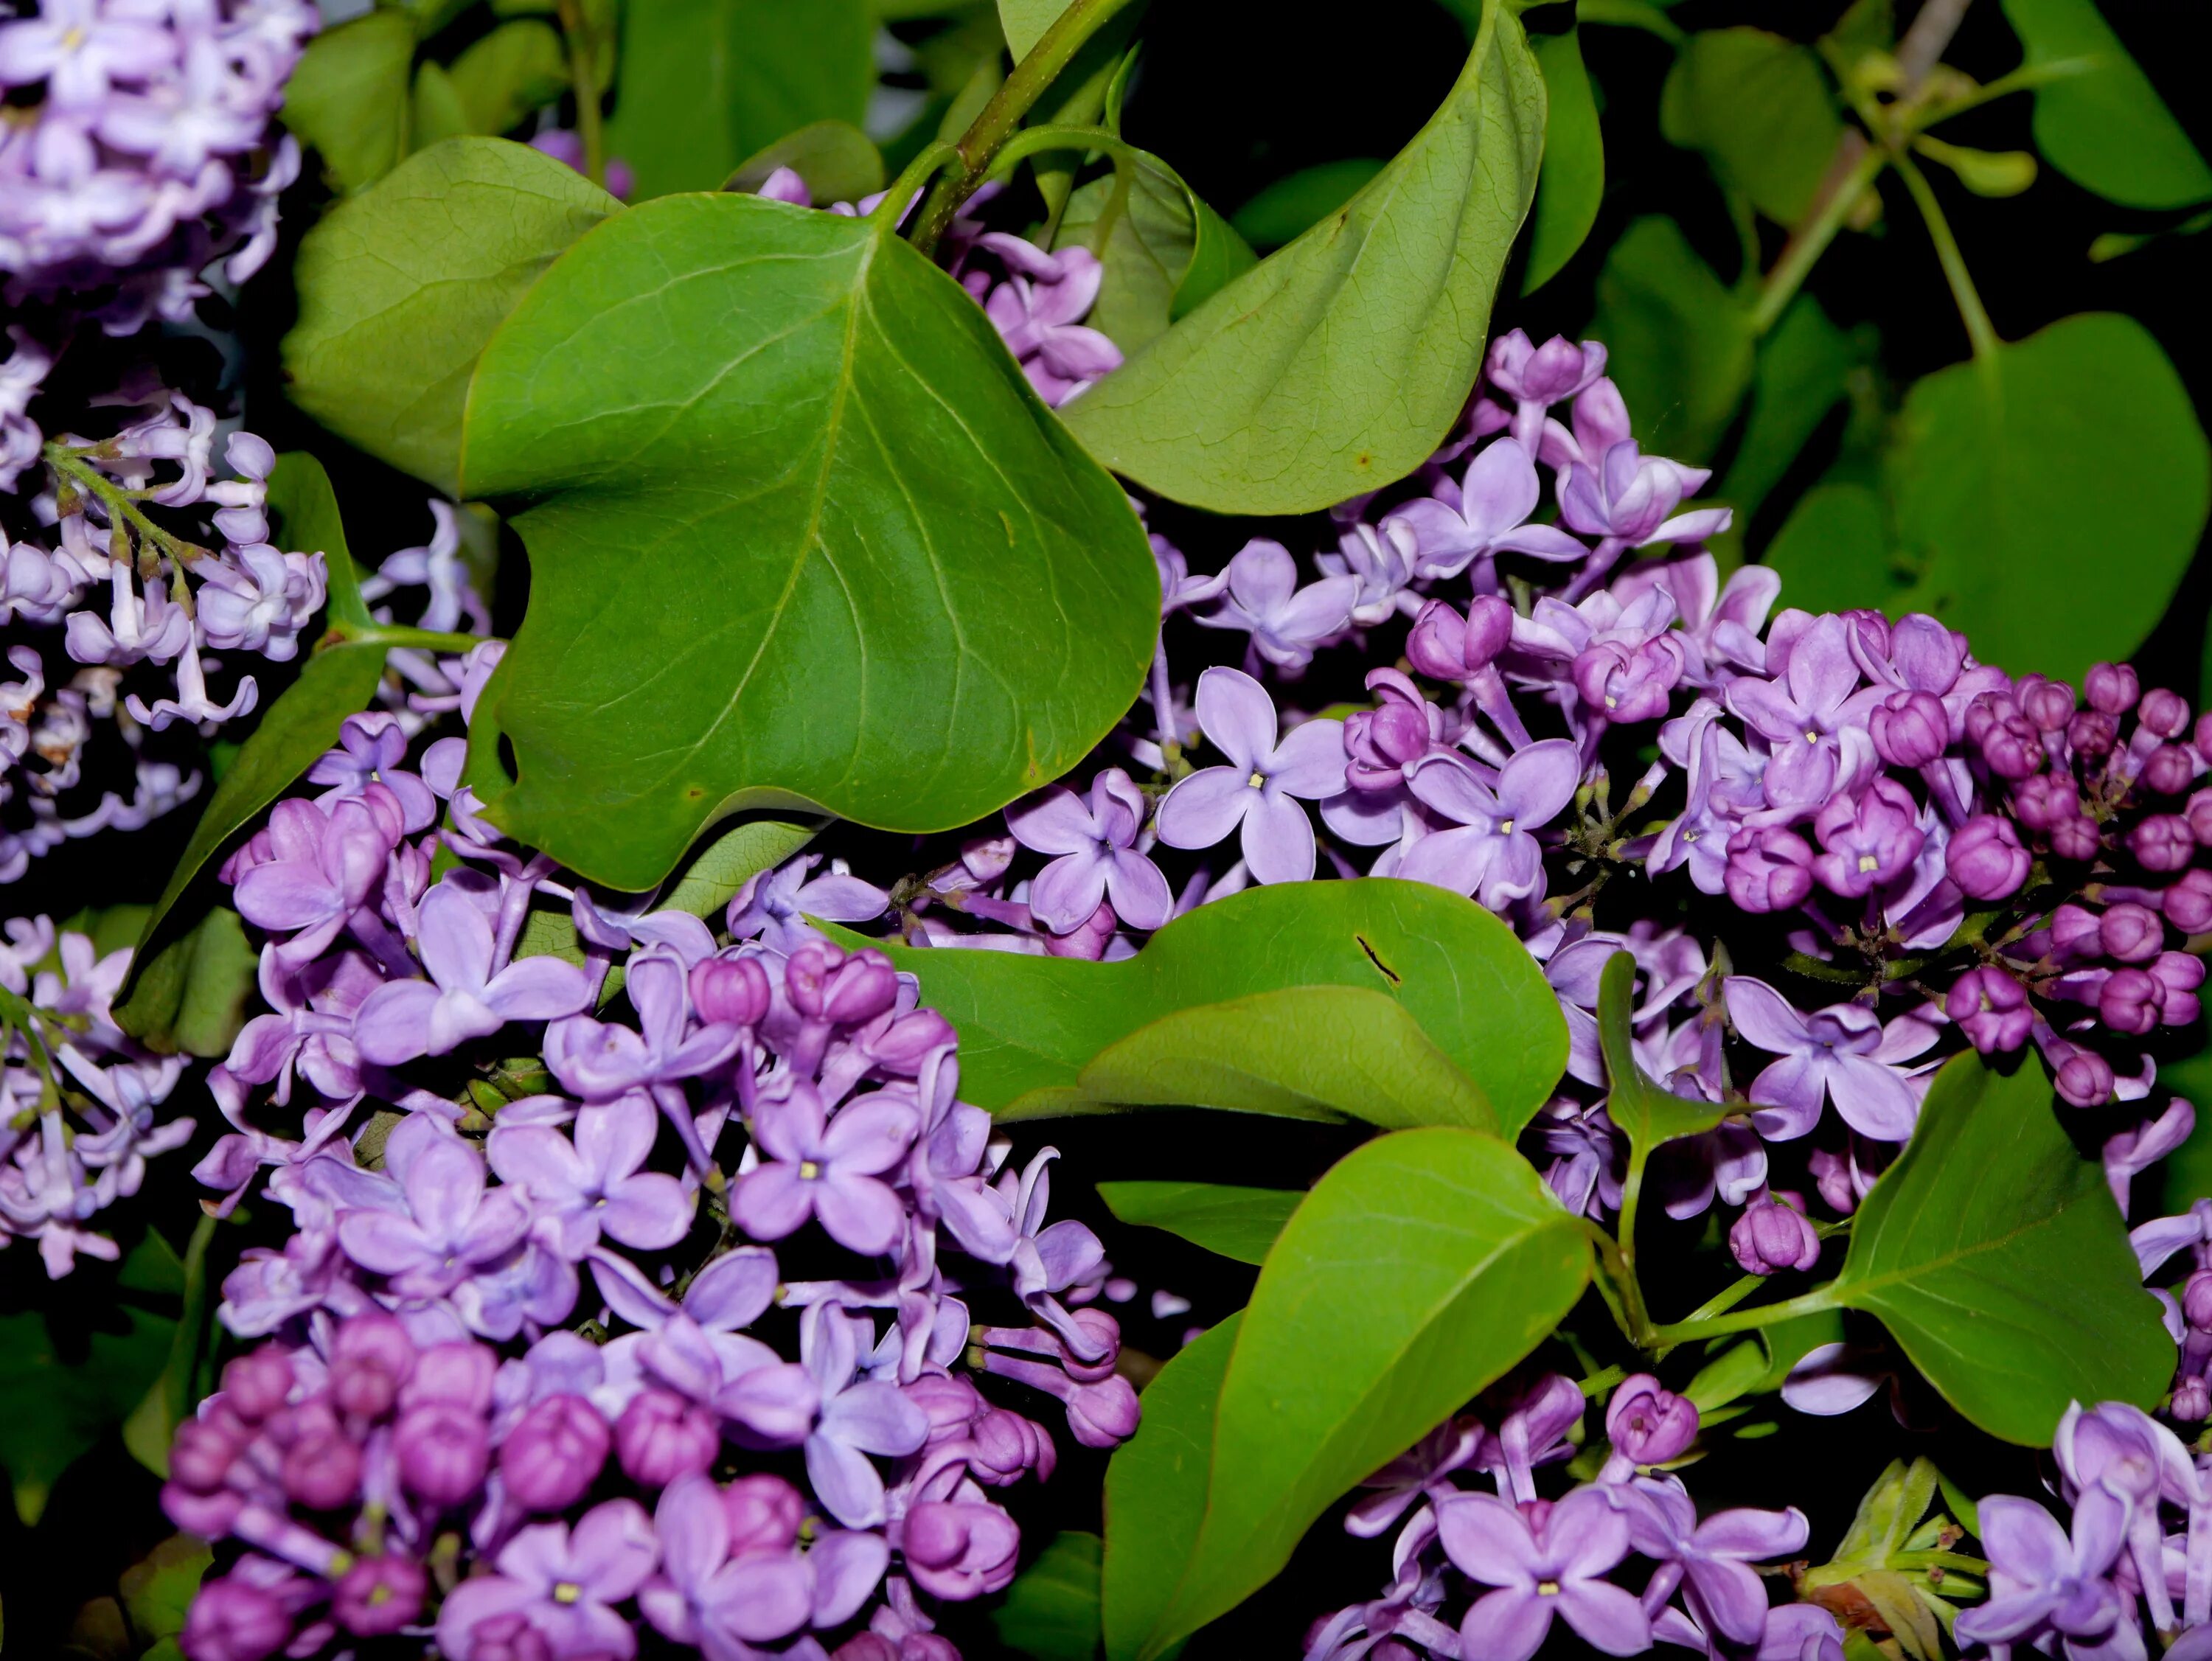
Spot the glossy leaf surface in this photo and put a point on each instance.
(1051, 1611)
(1164, 250)
(2104, 125)
(1235, 1222)
(1758, 108)
(1573, 182)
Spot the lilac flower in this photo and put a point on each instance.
(756, 1598)
(2041, 1582)
(1772, 1235)
(1536, 376)
(80, 48)
(1542, 1569)
(1627, 498)
(261, 602)
(1484, 515)
(595, 1183)
(1380, 560)
(1725, 1595)
(321, 870)
(774, 904)
(1037, 309)
(1869, 840)
(1815, 717)
(1648, 1425)
(441, 1226)
(563, 1584)
(371, 750)
(1491, 850)
(859, 1417)
(1844, 1053)
(1285, 621)
(1097, 854)
(601, 1060)
(1260, 788)
(465, 997)
(819, 1166)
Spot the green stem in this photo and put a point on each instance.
(1632, 1195)
(1812, 239)
(1748, 1320)
(912, 178)
(584, 79)
(393, 634)
(980, 145)
(1979, 330)
(120, 504)
(2027, 78)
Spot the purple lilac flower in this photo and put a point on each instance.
(815, 1166)
(1845, 1053)
(562, 1584)
(1489, 847)
(469, 994)
(1552, 1562)
(1260, 788)
(1097, 858)
(1284, 621)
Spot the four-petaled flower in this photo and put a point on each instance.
(1260, 787)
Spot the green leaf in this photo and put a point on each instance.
(1647, 1115)
(882, 578)
(1804, 371)
(400, 289)
(1235, 1223)
(1679, 343)
(304, 510)
(1028, 1026)
(1078, 96)
(1322, 1052)
(2101, 122)
(1834, 552)
(838, 162)
(1337, 365)
(1164, 250)
(702, 84)
(2053, 494)
(1421, 1267)
(1992, 1252)
(1156, 1490)
(349, 97)
(190, 995)
(1284, 210)
(516, 69)
(437, 113)
(1573, 182)
(158, 1590)
(2184, 1176)
(152, 1426)
(1760, 109)
(1051, 1611)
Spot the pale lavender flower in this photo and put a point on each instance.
(1285, 621)
(775, 904)
(2041, 1582)
(562, 1585)
(859, 1417)
(814, 1165)
(1483, 516)
(1714, 1556)
(1038, 312)
(595, 1183)
(1490, 850)
(1260, 788)
(1098, 859)
(1540, 1570)
(1845, 1052)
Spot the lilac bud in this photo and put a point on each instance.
(1380, 741)
(1447, 646)
(765, 1513)
(1909, 728)
(1832, 1175)
(1629, 684)
(2131, 933)
(1985, 858)
(1088, 939)
(2192, 1403)
(371, 1357)
(1769, 869)
(902, 1046)
(556, 1453)
(2092, 734)
(1005, 1446)
(201, 1457)
(322, 1468)
(824, 985)
(460, 1372)
(1649, 1424)
(443, 1451)
(2178, 975)
(1105, 1334)
(2112, 688)
(2085, 1079)
(1867, 841)
(232, 1620)
(1990, 1008)
(2010, 747)
(257, 1384)
(869, 1646)
(958, 1549)
(2048, 704)
(1103, 1415)
(2162, 842)
(2076, 932)
(2200, 738)
(948, 1401)
(2168, 770)
(2046, 800)
(1771, 1235)
(660, 1437)
(2198, 813)
(2077, 838)
(2188, 903)
(730, 992)
(2164, 712)
(2196, 1301)
(380, 1595)
(2128, 1002)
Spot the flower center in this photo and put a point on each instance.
(72, 39)
(1868, 862)
(566, 1591)
(1547, 1588)
(1505, 828)
(1256, 780)
(1812, 736)
(809, 1170)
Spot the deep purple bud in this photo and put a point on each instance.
(2164, 712)
(1489, 627)
(2049, 704)
(765, 1513)
(257, 1384)
(1103, 1331)
(380, 1595)
(1103, 1415)
(824, 985)
(2178, 975)
(2196, 1301)
(1447, 646)
(2128, 1000)
(1381, 741)
(1771, 1235)
(2112, 688)
(730, 992)
(948, 1401)
(1831, 1176)
(2162, 842)
(201, 1455)
(2076, 932)
(1869, 840)
(1990, 1008)
(459, 1371)
(2092, 734)
(958, 1549)
(2168, 770)
(1088, 939)
(2046, 800)
(2192, 1403)
(1769, 869)
(2188, 903)
(1985, 858)
(660, 1437)
(2010, 747)
(322, 1468)
(1909, 728)
(2201, 739)
(1648, 1424)
(2085, 1079)
(2077, 838)
(556, 1453)
(371, 1357)
(1003, 1446)
(443, 1450)
(2198, 813)
(232, 1621)
(2131, 933)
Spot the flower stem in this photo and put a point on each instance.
(584, 79)
(1821, 1298)
(1979, 330)
(121, 507)
(1856, 166)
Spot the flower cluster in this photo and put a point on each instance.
(1518, 1562)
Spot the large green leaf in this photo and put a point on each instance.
(1286, 209)
(349, 97)
(1338, 365)
(2053, 494)
(704, 84)
(1235, 1223)
(1646, 1114)
(1321, 1052)
(1679, 343)
(1164, 250)
(517, 69)
(400, 289)
(2101, 122)
(1028, 1026)
(1993, 1254)
(1758, 107)
(192, 996)
(1421, 1267)
(1833, 552)
(1804, 370)
(1573, 182)
(1051, 1611)
(1156, 1490)
(799, 531)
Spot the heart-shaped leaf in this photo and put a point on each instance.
(1338, 365)
(1760, 109)
(799, 531)
(1235, 1222)
(2099, 120)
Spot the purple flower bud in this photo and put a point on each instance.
(1088, 939)
(1831, 1176)
(2092, 734)
(2131, 933)
(2076, 932)
(460, 1372)
(1103, 1415)
(765, 1513)
(2046, 800)
(201, 1457)
(2164, 712)
(730, 992)
(232, 1620)
(322, 1468)
(2077, 838)
(2112, 688)
(380, 1595)
(1005, 1446)
(1769, 869)
(2128, 1002)
(2049, 704)
(948, 1401)
(1985, 858)
(824, 985)
(556, 1453)
(2178, 975)
(1909, 728)
(2200, 738)
(257, 1384)
(1649, 1424)
(443, 1451)
(2196, 1301)
(2168, 770)
(1990, 1008)
(1870, 840)
(1772, 1235)
(2085, 1078)
(2162, 842)
(1447, 646)
(660, 1437)
(2010, 747)
(958, 1549)
(1105, 1334)
(371, 1357)
(2198, 813)
(2192, 1403)
(2188, 903)
(1380, 741)
(902, 1046)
